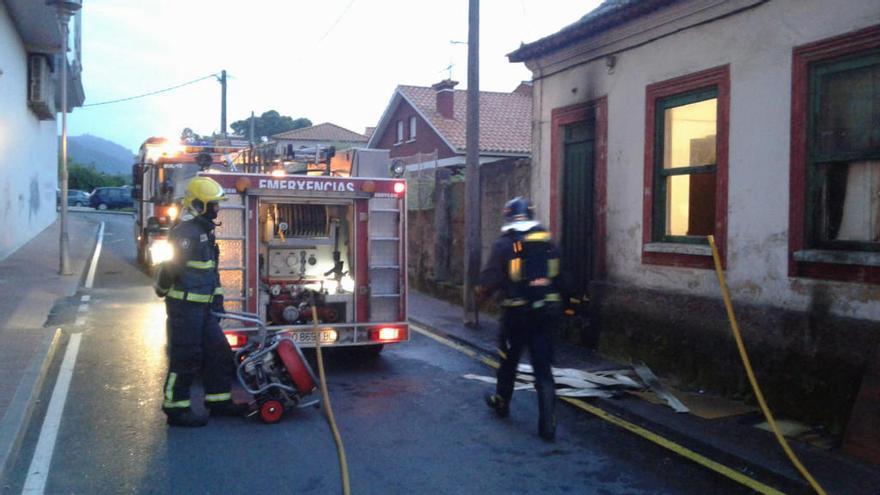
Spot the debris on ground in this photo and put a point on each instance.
(604, 384)
(654, 384)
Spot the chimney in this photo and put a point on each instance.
(445, 97)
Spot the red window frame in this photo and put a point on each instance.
(803, 56)
(718, 77)
(559, 118)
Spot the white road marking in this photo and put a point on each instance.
(83, 308)
(90, 279)
(86, 298)
(80, 321)
(38, 473)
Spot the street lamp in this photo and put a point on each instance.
(65, 9)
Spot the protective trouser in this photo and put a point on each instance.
(196, 346)
(521, 328)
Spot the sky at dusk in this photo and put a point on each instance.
(329, 61)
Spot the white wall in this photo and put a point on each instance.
(28, 150)
(757, 44)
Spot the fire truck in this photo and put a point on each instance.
(160, 174)
(311, 232)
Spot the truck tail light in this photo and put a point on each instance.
(236, 340)
(399, 187)
(387, 334)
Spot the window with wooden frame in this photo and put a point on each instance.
(412, 128)
(843, 164)
(686, 168)
(835, 159)
(399, 132)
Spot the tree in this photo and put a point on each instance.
(268, 124)
(86, 178)
(189, 135)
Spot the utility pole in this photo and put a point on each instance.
(251, 134)
(472, 217)
(223, 103)
(66, 8)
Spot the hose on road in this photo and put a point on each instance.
(340, 448)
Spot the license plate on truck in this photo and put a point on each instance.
(328, 336)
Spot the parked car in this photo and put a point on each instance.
(103, 198)
(75, 197)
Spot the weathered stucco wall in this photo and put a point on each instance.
(757, 44)
(28, 147)
(810, 340)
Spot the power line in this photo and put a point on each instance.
(152, 92)
(322, 38)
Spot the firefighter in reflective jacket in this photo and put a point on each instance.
(524, 268)
(190, 284)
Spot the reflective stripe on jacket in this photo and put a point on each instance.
(194, 264)
(525, 268)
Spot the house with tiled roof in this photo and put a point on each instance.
(662, 122)
(325, 134)
(422, 119)
(426, 128)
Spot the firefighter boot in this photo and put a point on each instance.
(547, 414)
(184, 417)
(547, 428)
(498, 404)
(228, 408)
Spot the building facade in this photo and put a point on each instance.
(658, 123)
(30, 45)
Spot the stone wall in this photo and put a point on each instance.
(436, 238)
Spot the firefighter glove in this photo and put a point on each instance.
(217, 304)
(162, 282)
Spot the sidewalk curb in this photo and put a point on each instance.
(14, 424)
(781, 480)
(93, 211)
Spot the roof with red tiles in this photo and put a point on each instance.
(505, 119)
(323, 132)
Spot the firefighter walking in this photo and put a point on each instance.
(190, 283)
(524, 268)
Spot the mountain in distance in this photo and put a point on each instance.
(106, 156)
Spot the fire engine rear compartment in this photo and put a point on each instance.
(305, 253)
(344, 253)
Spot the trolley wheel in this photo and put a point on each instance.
(271, 411)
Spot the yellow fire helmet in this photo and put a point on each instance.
(199, 192)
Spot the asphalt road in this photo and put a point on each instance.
(409, 421)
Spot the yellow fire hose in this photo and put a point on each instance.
(340, 449)
(725, 293)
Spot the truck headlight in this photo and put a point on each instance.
(160, 251)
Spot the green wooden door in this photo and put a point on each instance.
(578, 185)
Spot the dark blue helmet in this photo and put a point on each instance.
(517, 209)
